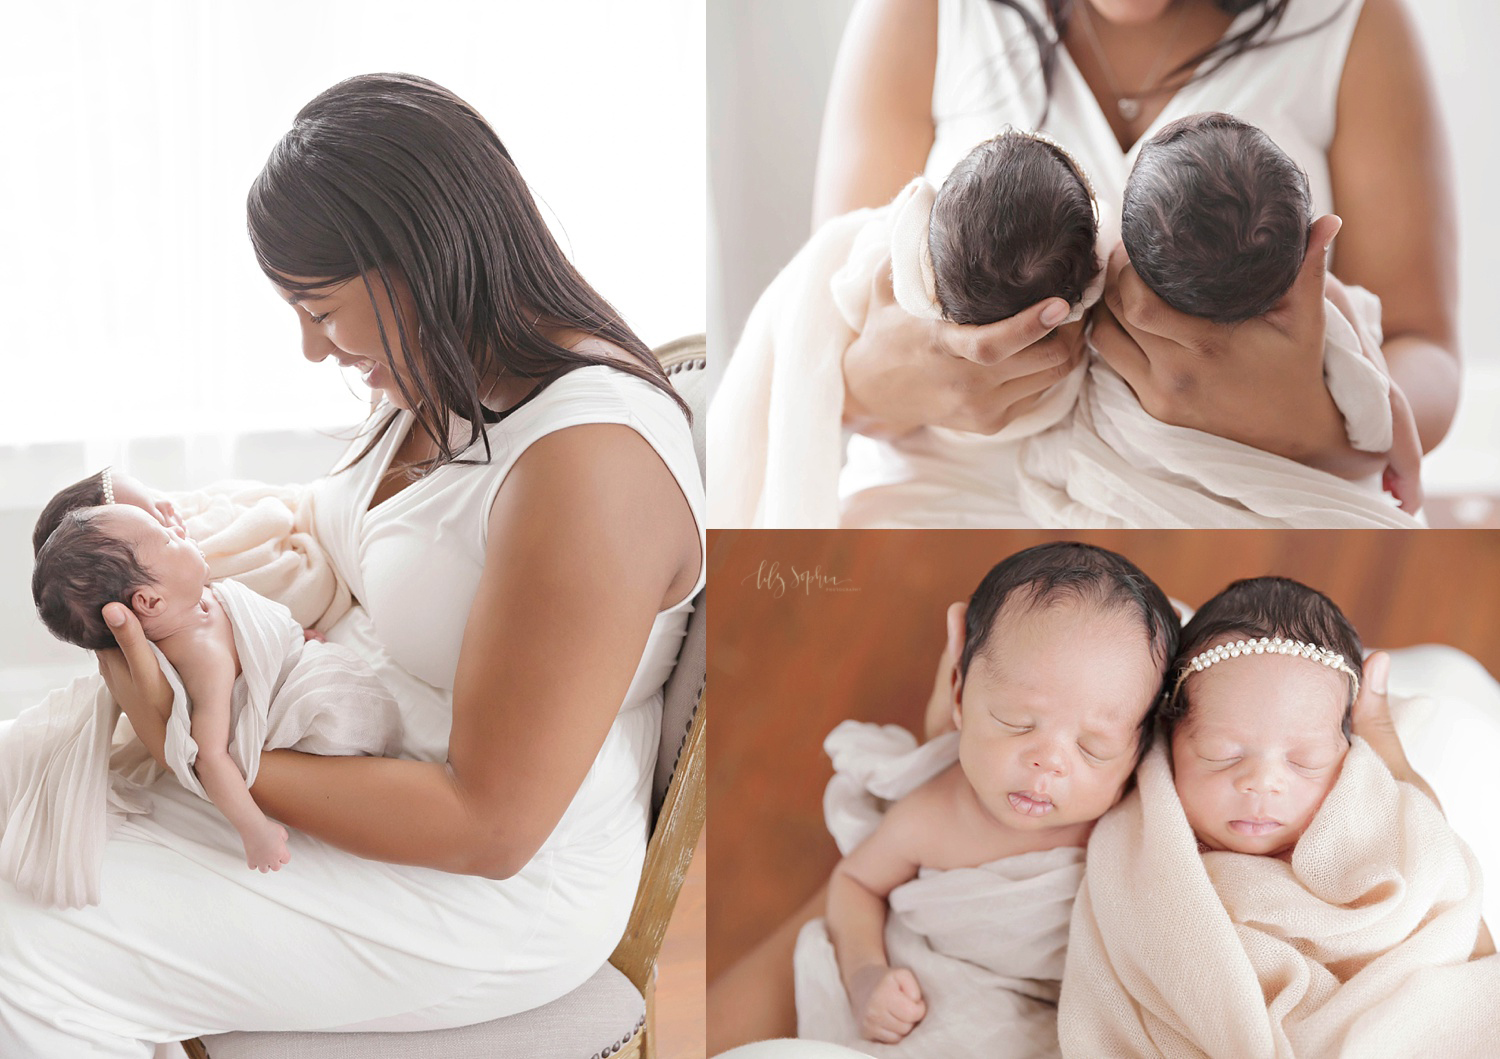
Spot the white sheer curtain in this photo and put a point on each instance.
(132, 303)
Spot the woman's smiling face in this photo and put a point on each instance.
(1260, 748)
(340, 320)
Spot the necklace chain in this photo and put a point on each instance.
(1129, 106)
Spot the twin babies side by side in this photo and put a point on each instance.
(1069, 665)
(108, 539)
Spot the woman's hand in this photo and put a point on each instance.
(1258, 382)
(903, 372)
(1372, 722)
(135, 679)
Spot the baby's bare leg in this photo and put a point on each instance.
(265, 840)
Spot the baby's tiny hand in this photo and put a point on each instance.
(313, 634)
(267, 851)
(887, 1003)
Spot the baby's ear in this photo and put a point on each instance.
(957, 615)
(147, 602)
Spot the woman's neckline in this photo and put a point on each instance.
(1169, 109)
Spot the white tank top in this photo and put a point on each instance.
(413, 564)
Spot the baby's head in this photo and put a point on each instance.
(1216, 217)
(1013, 224)
(1061, 658)
(108, 486)
(1258, 735)
(116, 553)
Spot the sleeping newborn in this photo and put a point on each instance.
(1216, 217)
(1258, 734)
(1269, 888)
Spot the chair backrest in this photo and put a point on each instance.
(679, 797)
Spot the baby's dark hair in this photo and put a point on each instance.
(87, 493)
(1014, 223)
(79, 568)
(1256, 607)
(1046, 573)
(1216, 218)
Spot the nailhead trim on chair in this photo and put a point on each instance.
(622, 1042)
(676, 760)
(692, 364)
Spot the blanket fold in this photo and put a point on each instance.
(1357, 947)
(985, 943)
(62, 784)
(261, 535)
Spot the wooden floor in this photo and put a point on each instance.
(680, 1024)
(810, 628)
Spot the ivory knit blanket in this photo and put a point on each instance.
(985, 943)
(1358, 947)
(1086, 455)
(261, 535)
(61, 785)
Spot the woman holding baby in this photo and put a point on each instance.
(492, 868)
(1338, 84)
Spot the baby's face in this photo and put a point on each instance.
(1259, 750)
(1049, 713)
(167, 554)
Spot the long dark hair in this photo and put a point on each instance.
(396, 175)
(1256, 35)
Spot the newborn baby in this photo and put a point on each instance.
(1270, 888)
(1013, 224)
(1060, 657)
(117, 553)
(1258, 734)
(1216, 218)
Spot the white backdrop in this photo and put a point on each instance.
(769, 66)
(132, 302)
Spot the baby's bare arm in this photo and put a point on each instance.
(886, 1002)
(208, 667)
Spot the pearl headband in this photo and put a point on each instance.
(109, 486)
(1273, 645)
(912, 274)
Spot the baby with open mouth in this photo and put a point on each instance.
(1259, 721)
(1061, 654)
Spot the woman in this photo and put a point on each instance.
(520, 526)
(1341, 81)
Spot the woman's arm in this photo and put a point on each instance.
(1393, 183)
(589, 537)
(877, 125)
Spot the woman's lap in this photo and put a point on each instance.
(187, 940)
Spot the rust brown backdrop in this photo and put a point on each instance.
(809, 628)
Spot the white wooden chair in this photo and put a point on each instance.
(613, 1013)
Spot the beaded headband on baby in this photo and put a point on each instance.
(912, 274)
(109, 486)
(1267, 645)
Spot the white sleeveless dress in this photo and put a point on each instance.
(188, 941)
(987, 77)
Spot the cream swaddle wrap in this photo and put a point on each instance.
(60, 782)
(261, 535)
(985, 943)
(1358, 948)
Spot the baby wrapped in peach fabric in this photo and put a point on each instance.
(1261, 922)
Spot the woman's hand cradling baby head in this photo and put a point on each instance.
(902, 373)
(135, 679)
(1258, 382)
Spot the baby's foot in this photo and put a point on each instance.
(309, 635)
(266, 850)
